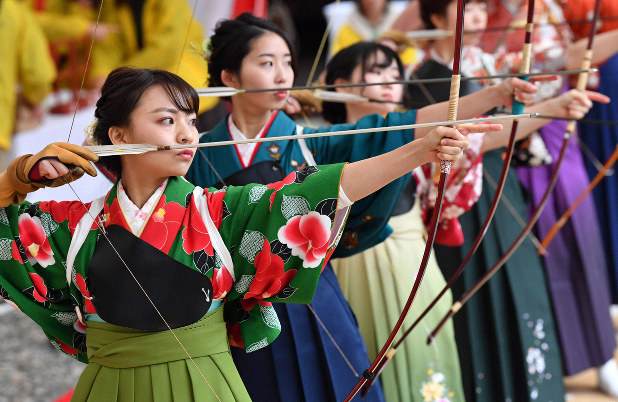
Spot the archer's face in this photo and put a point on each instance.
(376, 74)
(475, 19)
(156, 120)
(267, 65)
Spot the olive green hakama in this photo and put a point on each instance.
(123, 367)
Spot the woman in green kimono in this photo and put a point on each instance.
(322, 354)
(102, 279)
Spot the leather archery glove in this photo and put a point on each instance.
(22, 175)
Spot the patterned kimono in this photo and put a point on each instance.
(313, 367)
(602, 139)
(267, 256)
(575, 263)
(508, 323)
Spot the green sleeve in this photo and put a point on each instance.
(280, 236)
(34, 240)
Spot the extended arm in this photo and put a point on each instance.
(480, 102)
(443, 143)
(572, 104)
(605, 46)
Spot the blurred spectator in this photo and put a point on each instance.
(152, 34)
(410, 18)
(70, 26)
(27, 72)
(367, 20)
(69, 19)
(576, 11)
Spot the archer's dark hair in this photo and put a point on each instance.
(342, 65)
(122, 92)
(437, 7)
(232, 42)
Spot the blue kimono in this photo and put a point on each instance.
(304, 363)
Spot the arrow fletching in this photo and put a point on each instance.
(218, 92)
(117, 150)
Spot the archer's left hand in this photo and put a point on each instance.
(575, 104)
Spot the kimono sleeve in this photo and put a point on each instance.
(34, 240)
(368, 221)
(280, 237)
(463, 189)
(355, 147)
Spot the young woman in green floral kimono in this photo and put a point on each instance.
(83, 271)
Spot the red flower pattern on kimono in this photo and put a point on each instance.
(34, 241)
(307, 236)
(270, 278)
(289, 179)
(71, 211)
(222, 282)
(163, 225)
(234, 336)
(195, 236)
(113, 215)
(40, 290)
(81, 285)
(66, 348)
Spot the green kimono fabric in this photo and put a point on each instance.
(279, 235)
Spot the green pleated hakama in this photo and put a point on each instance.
(133, 365)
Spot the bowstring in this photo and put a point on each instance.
(99, 224)
(103, 231)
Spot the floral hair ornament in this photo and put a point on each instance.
(205, 50)
(89, 131)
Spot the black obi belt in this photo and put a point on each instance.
(181, 294)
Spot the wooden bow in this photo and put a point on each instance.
(581, 85)
(444, 170)
(517, 108)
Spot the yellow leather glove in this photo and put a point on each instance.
(22, 176)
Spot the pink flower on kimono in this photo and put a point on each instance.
(279, 185)
(222, 282)
(81, 285)
(164, 223)
(34, 242)
(307, 236)
(270, 278)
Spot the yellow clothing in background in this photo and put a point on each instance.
(25, 62)
(169, 35)
(62, 19)
(358, 29)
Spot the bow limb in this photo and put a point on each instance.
(517, 109)
(581, 85)
(100, 224)
(563, 219)
(444, 169)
